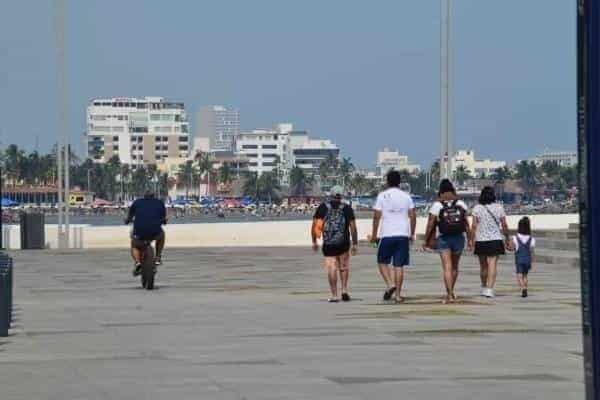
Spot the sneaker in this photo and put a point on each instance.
(489, 293)
(524, 293)
(137, 269)
(482, 291)
(332, 300)
(345, 297)
(158, 260)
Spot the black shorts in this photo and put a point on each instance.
(139, 240)
(490, 248)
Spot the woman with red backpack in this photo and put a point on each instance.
(445, 233)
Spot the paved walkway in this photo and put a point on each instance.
(254, 324)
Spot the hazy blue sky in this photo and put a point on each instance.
(363, 73)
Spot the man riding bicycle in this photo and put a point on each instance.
(148, 215)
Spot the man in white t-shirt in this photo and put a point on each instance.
(394, 225)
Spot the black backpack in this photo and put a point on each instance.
(452, 219)
(334, 226)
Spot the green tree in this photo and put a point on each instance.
(225, 174)
(502, 174)
(185, 176)
(299, 182)
(529, 175)
(346, 169)
(462, 174)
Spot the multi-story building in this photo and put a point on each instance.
(562, 158)
(388, 159)
(283, 148)
(137, 130)
(475, 167)
(265, 149)
(220, 125)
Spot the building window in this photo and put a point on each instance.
(183, 147)
(115, 148)
(183, 138)
(269, 146)
(250, 146)
(253, 164)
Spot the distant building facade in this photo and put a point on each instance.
(219, 125)
(137, 130)
(475, 167)
(562, 158)
(391, 159)
(281, 148)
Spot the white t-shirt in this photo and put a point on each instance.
(437, 206)
(488, 227)
(523, 239)
(394, 205)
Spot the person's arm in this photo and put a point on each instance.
(429, 230)
(313, 234)
(163, 214)
(474, 225)
(506, 233)
(412, 214)
(354, 235)
(376, 220)
(130, 214)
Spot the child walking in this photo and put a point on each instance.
(524, 245)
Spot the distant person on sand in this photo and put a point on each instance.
(445, 233)
(523, 245)
(394, 223)
(334, 221)
(490, 237)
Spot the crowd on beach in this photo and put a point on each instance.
(452, 228)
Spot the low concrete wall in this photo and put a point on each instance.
(238, 234)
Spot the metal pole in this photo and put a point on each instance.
(60, 45)
(446, 91)
(588, 108)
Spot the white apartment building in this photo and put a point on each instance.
(476, 167)
(283, 148)
(137, 130)
(219, 125)
(562, 158)
(388, 160)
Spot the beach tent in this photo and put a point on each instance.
(8, 202)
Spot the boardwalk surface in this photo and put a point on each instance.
(254, 324)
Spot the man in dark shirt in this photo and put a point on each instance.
(336, 222)
(148, 215)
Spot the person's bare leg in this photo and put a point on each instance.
(386, 274)
(136, 254)
(455, 263)
(525, 281)
(344, 261)
(160, 245)
(520, 281)
(332, 275)
(446, 258)
(398, 280)
(492, 271)
(483, 264)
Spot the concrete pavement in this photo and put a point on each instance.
(253, 323)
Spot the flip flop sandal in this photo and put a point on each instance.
(388, 293)
(332, 300)
(399, 300)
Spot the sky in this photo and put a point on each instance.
(362, 73)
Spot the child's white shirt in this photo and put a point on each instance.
(523, 239)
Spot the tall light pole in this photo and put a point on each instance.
(62, 152)
(446, 77)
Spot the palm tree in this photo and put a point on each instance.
(185, 176)
(528, 174)
(205, 165)
(346, 169)
(225, 174)
(269, 187)
(250, 187)
(299, 182)
(462, 174)
(502, 174)
(358, 184)
(14, 163)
